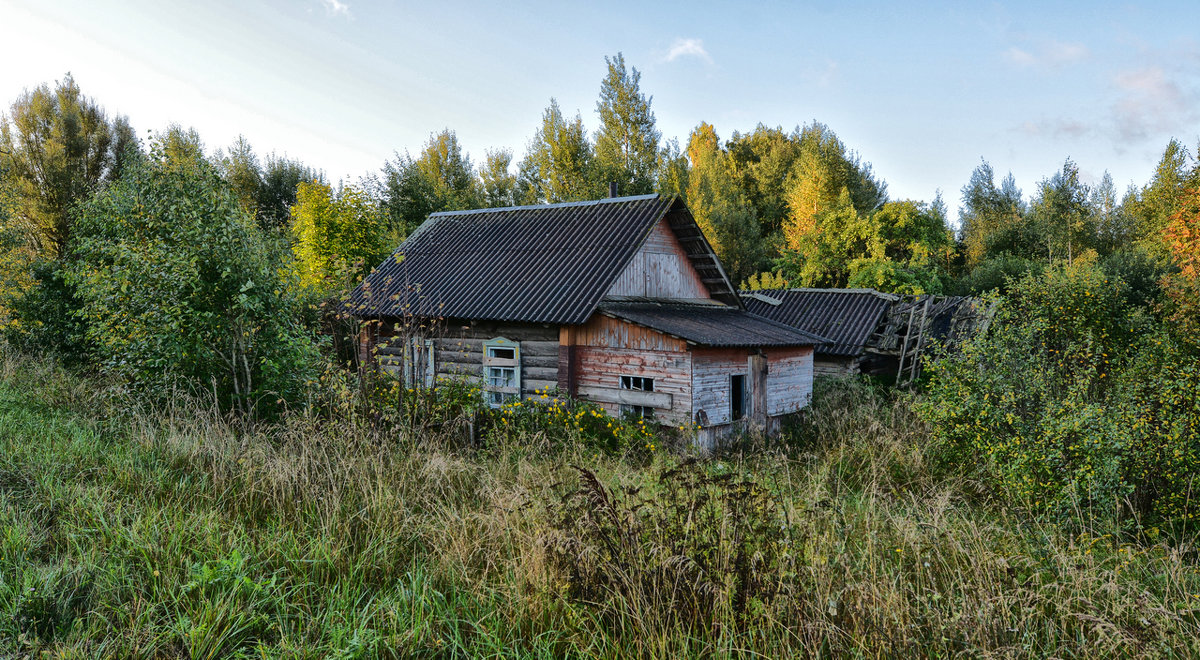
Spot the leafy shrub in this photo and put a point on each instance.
(1157, 409)
(1025, 404)
(178, 285)
(44, 316)
(699, 546)
(994, 274)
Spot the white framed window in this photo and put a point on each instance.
(637, 384)
(502, 370)
(418, 362)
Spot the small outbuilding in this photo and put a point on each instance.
(870, 332)
(619, 301)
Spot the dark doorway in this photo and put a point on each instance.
(737, 397)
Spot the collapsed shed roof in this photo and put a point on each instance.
(847, 317)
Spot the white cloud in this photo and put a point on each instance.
(685, 48)
(1048, 54)
(1070, 129)
(1150, 103)
(1021, 57)
(336, 7)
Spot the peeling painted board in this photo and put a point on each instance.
(603, 367)
(608, 332)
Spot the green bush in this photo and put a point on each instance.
(1157, 409)
(179, 287)
(1025, 404)
(44, 316)
(995, 273)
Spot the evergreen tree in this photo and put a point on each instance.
(558, 163)
(627, 143)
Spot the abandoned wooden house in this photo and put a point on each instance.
(619, 301)
(871, 332)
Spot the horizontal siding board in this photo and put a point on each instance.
(789, 381)
(660, 400)
(602, 368)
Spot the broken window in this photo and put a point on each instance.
(637, 384)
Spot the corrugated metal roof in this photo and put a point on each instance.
(548, 263)
(847, 317)
(710, 325)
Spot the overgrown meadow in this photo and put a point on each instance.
(183, 532)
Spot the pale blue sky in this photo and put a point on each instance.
(922, 91)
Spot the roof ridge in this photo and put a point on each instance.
(538, 207)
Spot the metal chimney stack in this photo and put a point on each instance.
(612, 188)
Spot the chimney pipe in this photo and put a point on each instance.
(612, 188)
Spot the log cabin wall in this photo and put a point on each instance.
(660, 269)
(458, 349)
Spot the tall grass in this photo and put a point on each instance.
(181, 533)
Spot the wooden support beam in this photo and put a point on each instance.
(627, 397)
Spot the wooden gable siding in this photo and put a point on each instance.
(660, 269)
(789, 380)
(458, 350)
(607, 332)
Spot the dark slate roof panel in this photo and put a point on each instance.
(848, 317)
(710, 325)
(543, 264)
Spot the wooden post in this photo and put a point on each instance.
(757, 366)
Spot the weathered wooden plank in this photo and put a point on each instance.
(540, 373)
(531, 386)
(628, 397)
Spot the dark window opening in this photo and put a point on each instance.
(502, 353)
(637, 384)
(737, 397)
